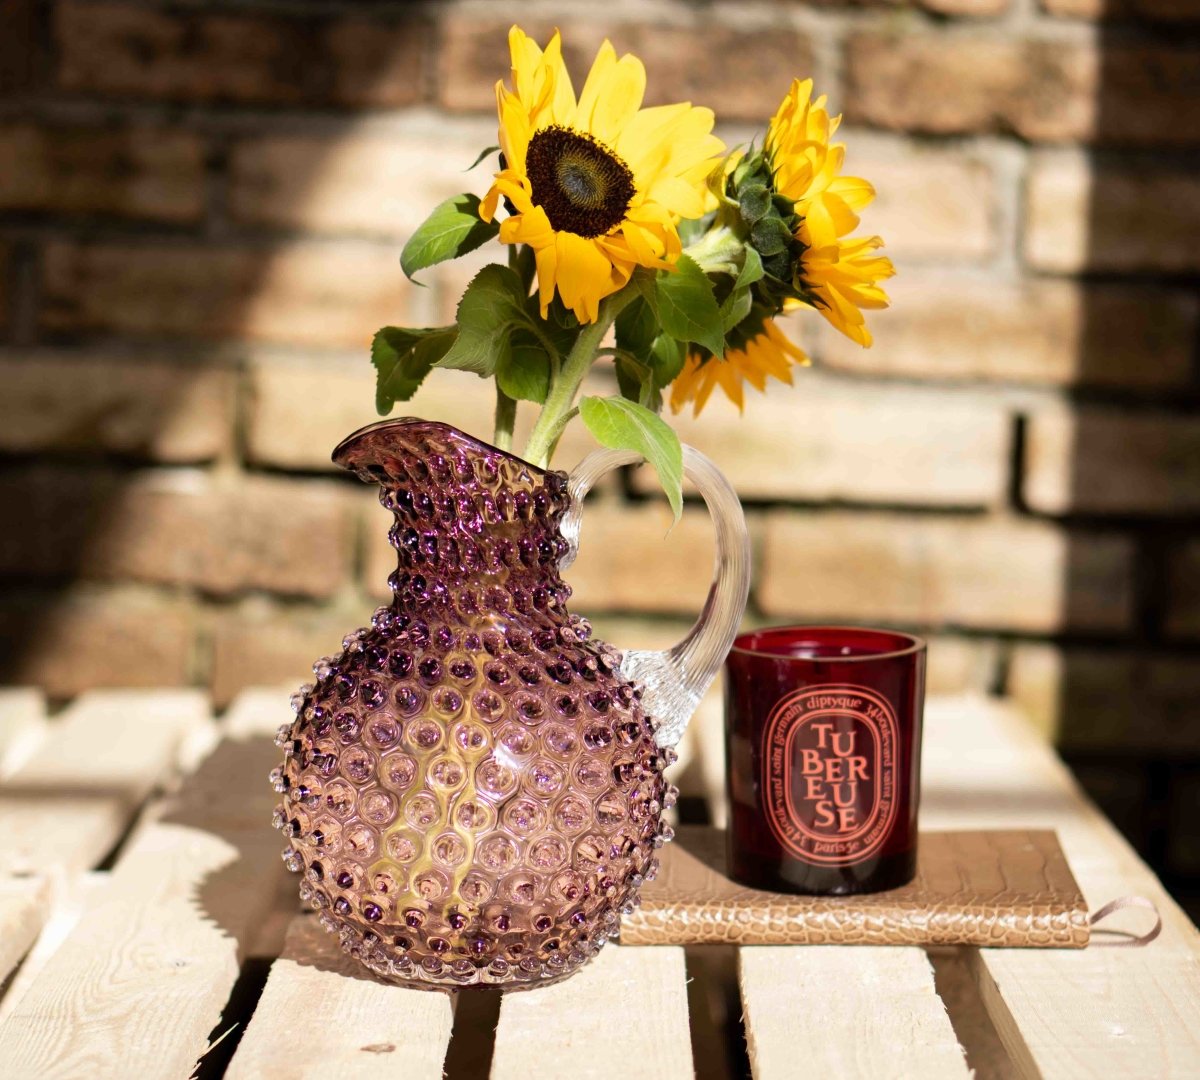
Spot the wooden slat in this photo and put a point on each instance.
(22, 725)
(23, 911)
(1100, 1011)
(70, 802)
(866, 1011)
(356, 1026)
(59, 909)
(141, 981)
(625, 1014)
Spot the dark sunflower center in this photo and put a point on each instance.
(582, 185)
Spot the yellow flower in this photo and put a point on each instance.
(769, 354)
(841, 275)
(595, 185)
(843, 278)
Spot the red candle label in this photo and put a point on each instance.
(829, 784)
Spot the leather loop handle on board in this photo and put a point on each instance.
(1120, 904)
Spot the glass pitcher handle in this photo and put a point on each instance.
(675, 679)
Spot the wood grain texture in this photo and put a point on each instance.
(1096, 1012)
(60, 908)
(139, 983)
(74, 797)
(625, 1014)
(869, 1012)
(23, 911)
(22, 725)
(321, 1014)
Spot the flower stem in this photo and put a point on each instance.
(563, 388)
(506, 417)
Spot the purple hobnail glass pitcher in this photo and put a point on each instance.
(473, 790)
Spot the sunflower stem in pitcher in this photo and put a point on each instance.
(565, 385)
(506, 418)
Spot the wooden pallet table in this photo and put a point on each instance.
(147, 929)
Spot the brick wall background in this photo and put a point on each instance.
(201, 211)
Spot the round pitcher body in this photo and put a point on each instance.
(471, 790)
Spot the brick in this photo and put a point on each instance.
(628, 562)
(825, 439)
(1183, 840)
(134, 172)
(5, 293)
(21, 45)
(126, 50)
(960, 665)
(311, 293)
(1041, 88)
(381, 184)
(1183, 591)
(270, 646)
(1147, 10)
(1121, 786)
(1092, 699)
(328, 398)
(971, 8)
(71, 642)
(968, 8)
(931, 206)
(1101, 460)
(103, 403)
(1046, 333)
(179, 527)
(755, 68)
(940, 571)
(1077, 217)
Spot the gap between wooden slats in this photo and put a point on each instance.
(74, 796)
(321, 1014)
(625, 1014)
(843, 1011)
(139, 983)
(1065, 1013)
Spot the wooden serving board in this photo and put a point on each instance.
(1009, 888)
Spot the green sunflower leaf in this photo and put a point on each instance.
(402, 358)
(625, 425)
(666, 359)
(492, 306)
(751, 271)
(635, 380)
(486, 152)
(523, 370)
(453, 229)
(736, 307)
(636, 327)
(686, 306)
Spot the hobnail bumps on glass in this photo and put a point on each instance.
(471, 791)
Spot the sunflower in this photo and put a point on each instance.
(790, 203)
(838, 276)
(595, 185)
(767, 354)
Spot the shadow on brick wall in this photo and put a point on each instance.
(129, 294)
(1124, 468)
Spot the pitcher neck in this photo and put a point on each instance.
(480, 554)
(473, 525)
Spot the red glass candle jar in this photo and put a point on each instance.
(823, 745)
